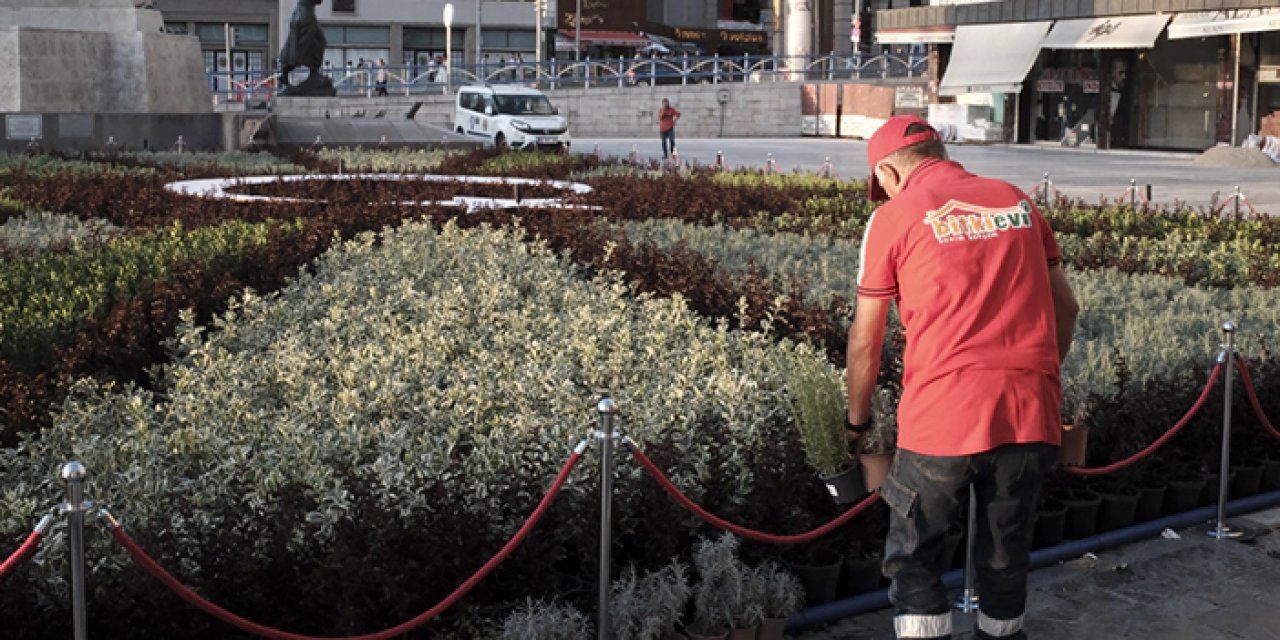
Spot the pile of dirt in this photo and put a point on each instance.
(1234, 157)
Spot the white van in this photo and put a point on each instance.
(510, 116)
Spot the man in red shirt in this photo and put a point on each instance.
(989, 316)
(667, 117)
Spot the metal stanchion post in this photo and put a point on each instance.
(968, 601)
(1133, 193)
(75, 474)
(1220, 529)
(608, 410)
(1236, 196)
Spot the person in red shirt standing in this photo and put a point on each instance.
(667, 117)
(989, 316)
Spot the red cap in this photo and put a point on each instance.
(890, 137)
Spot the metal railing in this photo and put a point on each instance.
(261, 85)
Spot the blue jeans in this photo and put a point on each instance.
(668, 142)
(925, 494)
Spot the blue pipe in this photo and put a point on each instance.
(875, 600)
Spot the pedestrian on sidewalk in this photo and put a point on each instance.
(381, 78)
(667, 117)
(989, 316)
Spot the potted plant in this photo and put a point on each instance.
(781, 596)
(816, 397)
(1075, 427)
(1051, 522)
(862, 568)
(1119, 505)
(1082, 511)
(719, 590)
(648, 607)
(876, 448)
(536, 620)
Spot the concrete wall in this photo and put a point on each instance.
(76, 132)
(766, 109)
(101, 72)
(78, 15)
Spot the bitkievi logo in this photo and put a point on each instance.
(962, 221)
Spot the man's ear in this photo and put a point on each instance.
(889, 176)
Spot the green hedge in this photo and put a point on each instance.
(395, 416)
(52, 295)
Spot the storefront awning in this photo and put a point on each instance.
(921, 35)
(1204, 24)
(1112, 32)
(992, 58)
(609, 38)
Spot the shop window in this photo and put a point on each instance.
(177, 28)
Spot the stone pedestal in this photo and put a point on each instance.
(96, 56)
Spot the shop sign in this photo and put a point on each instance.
(691, 35)
(909, 98)
(1092, 86)
(1050, 86)
(742, 37)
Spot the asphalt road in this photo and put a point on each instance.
(1088, 174)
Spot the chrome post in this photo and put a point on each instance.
(1044, 190)
(608, 410)
(1220, 529)
(1133, 193)
(1236, 196)
(75, 475)
(968, 601)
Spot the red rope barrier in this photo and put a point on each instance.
(28, 546)
(1116, 466)
(158, 572)
(741, 531)
(1253, 398)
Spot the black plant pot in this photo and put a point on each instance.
(1082, 513)
(1182, 494)
(819, 576)
(846, 487)
(1248, 479)
(1051, 522)
(1118, 509)
(1209, 494)
(859, 576)
(1270, 475)
(1150, 502)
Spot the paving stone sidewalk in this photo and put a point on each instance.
(1190, 588)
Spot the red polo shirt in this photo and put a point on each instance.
(967, 259)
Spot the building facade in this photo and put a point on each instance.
(1160, 74)
(247, 55)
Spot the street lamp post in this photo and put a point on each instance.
(448, 47)
(577, 32)
(537, 32)
(479, 39)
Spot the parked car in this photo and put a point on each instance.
(658, 73)
(510, 116)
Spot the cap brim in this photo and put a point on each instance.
(875, 192)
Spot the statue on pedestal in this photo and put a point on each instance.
(305, 48)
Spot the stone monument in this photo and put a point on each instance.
(97, 57)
